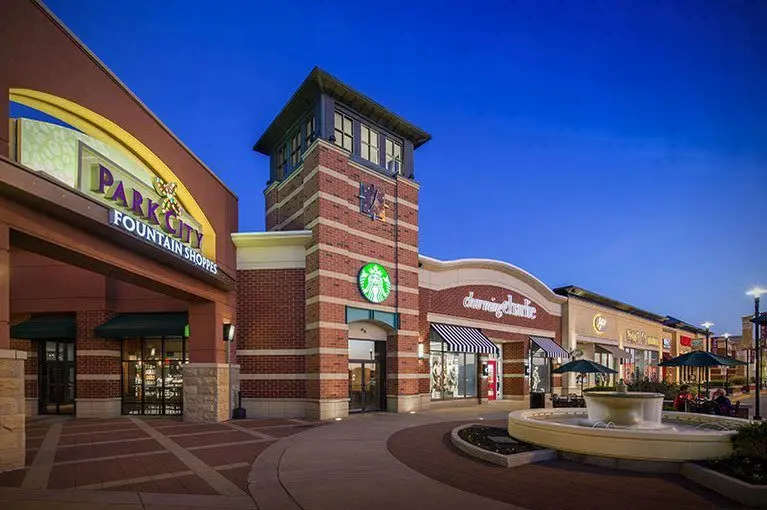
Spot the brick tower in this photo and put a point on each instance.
(342, 177)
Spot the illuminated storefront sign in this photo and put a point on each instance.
(140, 202)
(374, 282)
(667, 344)
(636, 336)
(499, 309)
(653, 341)
(174, 235)
(600, 323)
(163, 241)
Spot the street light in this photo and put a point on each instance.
(726, 354)
(708, 325)
(756, 292)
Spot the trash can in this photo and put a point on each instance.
(537, 400)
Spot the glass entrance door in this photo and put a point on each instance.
(152, 376)
(364, 386)
(57, 377)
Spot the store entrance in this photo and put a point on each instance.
(366, 375)
(57, 377)
(151, 375)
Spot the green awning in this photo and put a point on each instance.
(46, 327)
(134, 325)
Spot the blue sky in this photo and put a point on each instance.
(616, 145)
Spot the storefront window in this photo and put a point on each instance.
(642, 365)
(453, 374)
(152, 375)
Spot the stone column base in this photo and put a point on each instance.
(206, 392)
(327, 409)
(99, 407)
(33, 406)
(275, 407)
(12, 410)
(406, 403)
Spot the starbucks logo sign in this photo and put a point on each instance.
(374, 282)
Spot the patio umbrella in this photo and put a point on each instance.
(701, 359)
(583, 366)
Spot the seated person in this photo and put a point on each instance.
(682, 398)
(725, 406)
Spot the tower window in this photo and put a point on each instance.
(282, 160)
(295, 149)
(309, 132)
(369, 144)
(343, 131)
(393, 156)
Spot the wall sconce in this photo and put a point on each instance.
(228, 332)
(421, 354)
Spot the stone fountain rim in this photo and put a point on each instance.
(619, 394)
(527, 417)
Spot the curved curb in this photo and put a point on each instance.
(513, 460)
(264, 483)
(740, 491)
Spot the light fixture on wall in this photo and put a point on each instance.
(228, 332)
(421, 353)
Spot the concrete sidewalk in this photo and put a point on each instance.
(348, 465)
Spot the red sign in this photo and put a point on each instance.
(686, 340)
(491, 379)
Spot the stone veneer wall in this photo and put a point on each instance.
(206, 392)
(12, 409)
(30, 373)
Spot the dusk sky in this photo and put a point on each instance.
(620, 146)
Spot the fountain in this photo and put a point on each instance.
(626, 425)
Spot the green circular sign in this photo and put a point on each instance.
(374, 282)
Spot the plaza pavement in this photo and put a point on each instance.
(373, 461)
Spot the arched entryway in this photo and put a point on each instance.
(367, 366)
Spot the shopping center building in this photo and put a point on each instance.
(128, 289)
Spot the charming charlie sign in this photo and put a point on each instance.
(499, 309)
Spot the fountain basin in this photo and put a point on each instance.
(635, 409)
(681, 436)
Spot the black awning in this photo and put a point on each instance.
(552, 349)
(46, 327)
(464, 339)
(134, 325)
(616, 351)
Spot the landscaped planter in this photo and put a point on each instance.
(513, 460)
(740, 491)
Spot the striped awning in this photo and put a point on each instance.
(553, 349)
(464, 339)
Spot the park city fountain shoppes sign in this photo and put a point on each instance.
(141, 204)
(158, 206)
(499, 309)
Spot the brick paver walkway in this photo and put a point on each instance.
(555, 484)
(146, 455)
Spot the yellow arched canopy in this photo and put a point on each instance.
(101, 128)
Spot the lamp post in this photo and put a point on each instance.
(708, 325)
(726, 355)
(756, 292)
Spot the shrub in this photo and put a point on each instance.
(599, 388)
(669, 390)
(751, 441)
(737, 381)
